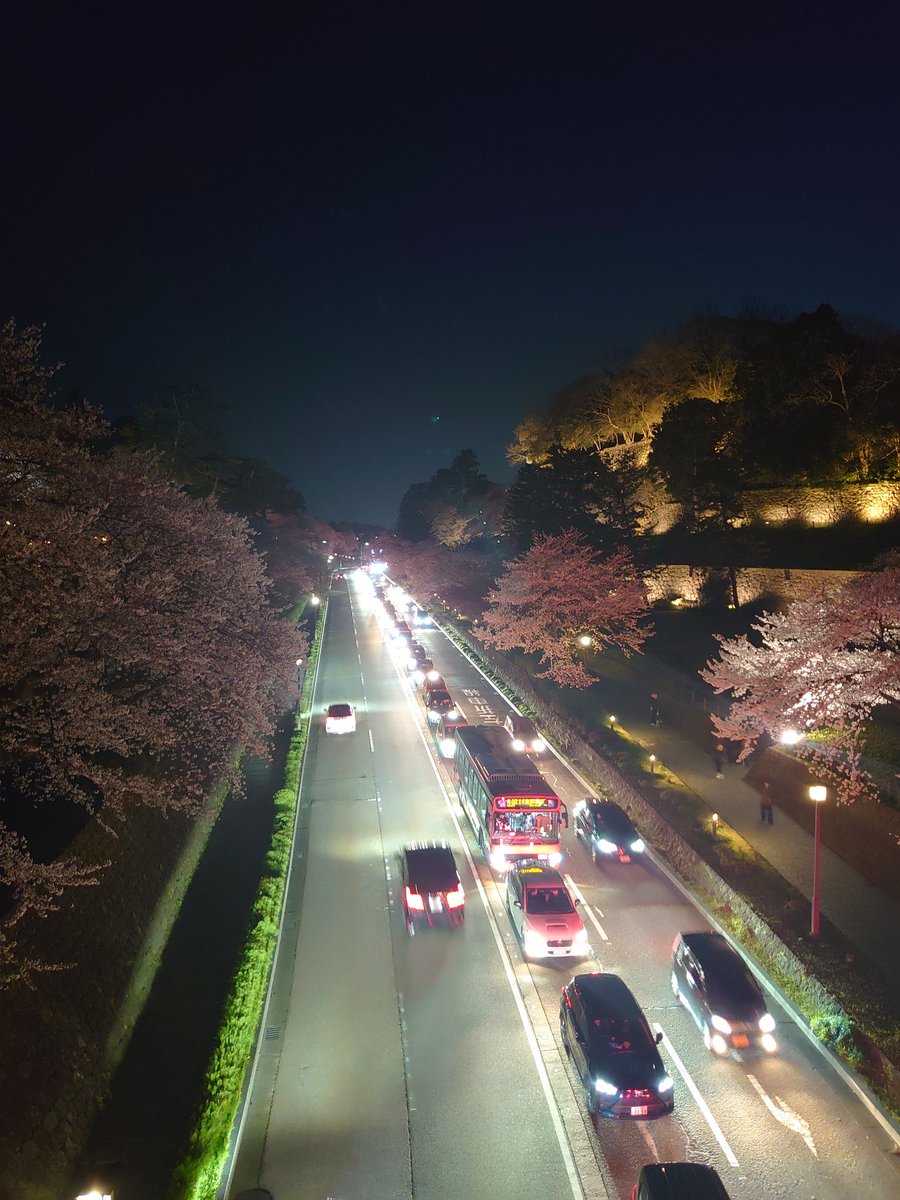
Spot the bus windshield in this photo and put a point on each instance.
(512, 827)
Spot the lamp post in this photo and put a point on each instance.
(818, 794)
(584, 642)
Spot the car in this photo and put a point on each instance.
(417, 655)
(422, 672)
(606, 1035)
(607, 831)
(434, 681)
(432, 891)
(444, 732)
(678, 1181)
(340, 718)
(719, 990)
(439, 703)
(523, 735)
(543, 914)
(422, 618)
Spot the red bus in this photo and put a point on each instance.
(513, 811)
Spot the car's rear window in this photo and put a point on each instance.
(340, 710)
(432, 869)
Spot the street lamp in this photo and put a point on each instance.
(819, 795)
(314, 600)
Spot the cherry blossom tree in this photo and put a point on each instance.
(820, 668)
(138, 644)
(559, 591)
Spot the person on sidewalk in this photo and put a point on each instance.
(719, 760)
(766, 812)
(654, 708)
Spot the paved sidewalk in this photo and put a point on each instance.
(866, 916)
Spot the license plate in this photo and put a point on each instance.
(435, 904)
(740, 1041)
(639, 1110)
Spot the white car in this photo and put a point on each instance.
(340, 718)
(543, 913)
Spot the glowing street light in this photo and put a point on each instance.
(790, 737)
(314, 600)
(818, 794)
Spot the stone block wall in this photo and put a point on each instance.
(692, 584)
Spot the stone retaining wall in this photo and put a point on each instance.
(782, 585)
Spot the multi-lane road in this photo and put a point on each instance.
(432, 1067)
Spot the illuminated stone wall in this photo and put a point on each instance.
(814, 507)
(692, 584)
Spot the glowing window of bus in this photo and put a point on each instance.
(513, 811)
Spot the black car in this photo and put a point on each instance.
(678, 1181)
(439, 703)
(718, 989)
(608, 1038)
(432, 891)
(607, 831)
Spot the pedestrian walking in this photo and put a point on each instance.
(766, 812)
(654, 708)
(719, 760)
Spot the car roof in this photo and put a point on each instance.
(431, 866)
(534, 873)
(683, 1181)
(711, 949)
(516, 722)
(606, 993)
(339, 710)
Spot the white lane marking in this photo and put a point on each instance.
(645, 1134)
(695, 1092)
(573, 887)
(371, 742)
(785, 1114)
(530, 1036)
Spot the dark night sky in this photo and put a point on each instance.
(362, 217)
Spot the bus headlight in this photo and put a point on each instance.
(498, 860)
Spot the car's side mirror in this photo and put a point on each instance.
(659, 1037)
(577, 902)
(565, 817)
(517, 903)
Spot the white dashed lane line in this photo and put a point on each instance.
(371, 742)
(695, 1092)
(589, 912)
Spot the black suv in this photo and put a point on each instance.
(608, 1038)
(432, 891)
(678, 1181)
(716, 986)
(607, 831)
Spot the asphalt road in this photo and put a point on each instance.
(432, 1067)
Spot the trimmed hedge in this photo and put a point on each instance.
(199, 1174)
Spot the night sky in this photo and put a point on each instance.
(381, 232)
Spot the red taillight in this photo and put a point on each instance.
(414, 900)
(456, 898)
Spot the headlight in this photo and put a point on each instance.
(637, 847)
(498, 860)
(665, 1084)
(768, 1043)
(418, 677)
(580, 938)
(721, 1024)
(767, 1023)
(606, 845)
(718, 1043)
(451, 714)
(604, 1088)
(538, 746)
(580, 807)
(447, 747)
(533, 942)
(518, 744)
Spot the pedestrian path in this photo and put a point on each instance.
(864, 914)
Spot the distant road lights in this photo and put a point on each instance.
(790, 737)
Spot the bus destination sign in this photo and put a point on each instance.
(527, 801)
